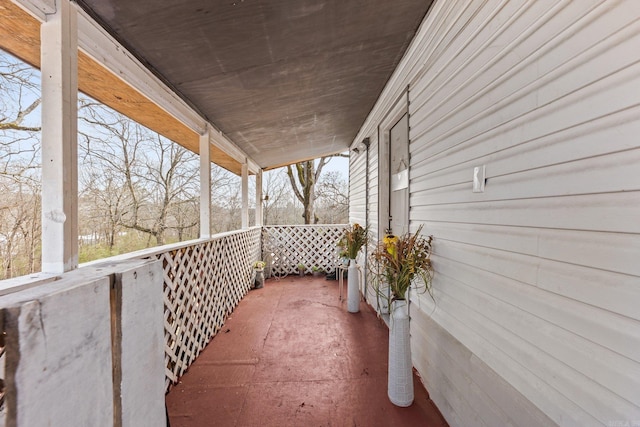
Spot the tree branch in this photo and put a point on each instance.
(321, 164)
(13, 126)
(294, 186)
(29, 109)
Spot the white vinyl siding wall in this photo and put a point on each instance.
(357, 188)
(373, 187)
(374, 213)
(361, 210)
(357, 195)
(537, 286)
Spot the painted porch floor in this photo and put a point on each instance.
(291, 355)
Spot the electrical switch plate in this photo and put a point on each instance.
(478, 179)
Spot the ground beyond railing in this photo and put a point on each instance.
(284, 247)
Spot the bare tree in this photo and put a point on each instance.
(173, 173)
(19, 127)
(102, 206)
(276, 187)
(108, 145)
(303, 183)
(19, 167)
(146, 175)
(19, 84)
(186, 214)
(227, 203)
(332, 198)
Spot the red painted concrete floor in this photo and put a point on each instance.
(291, 355)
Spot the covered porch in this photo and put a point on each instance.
(508, 129)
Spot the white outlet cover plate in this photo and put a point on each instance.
(478, 179)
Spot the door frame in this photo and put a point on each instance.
(395, 113)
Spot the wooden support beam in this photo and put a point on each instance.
(205, 186)
(59, 64)
(259, 219)
(245, 195)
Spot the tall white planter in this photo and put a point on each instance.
(353, 287)
(259, 280)
(400, 388)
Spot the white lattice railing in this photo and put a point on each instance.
(204, 280)
(286, 246)
(203, 283)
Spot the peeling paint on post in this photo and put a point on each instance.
(58, 361)
(87, 349)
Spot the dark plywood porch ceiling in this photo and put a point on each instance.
(286, 80)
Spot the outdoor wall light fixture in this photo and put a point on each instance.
(362, 146)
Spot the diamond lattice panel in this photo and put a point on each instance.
(312, 245)
(203, 283)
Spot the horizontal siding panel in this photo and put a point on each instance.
(483, 112)
(458, 392)
(615, 292)
(611, 252)
(579, 283)
(357, 201)
(452, 383)
(568, 113)
(584, 212)
(470, 45)
(549, 351)
(507, 334)
(616, 333)
(608, 173)
(442, 357)
(464, 323)
(449, 93)
(454, 379)
(607, 96)
(561, 147)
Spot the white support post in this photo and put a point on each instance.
(205, 185)
(259, 219)
(59, 66)
(245, 195)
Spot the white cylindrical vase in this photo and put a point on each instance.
(353, 287)
(400, 388)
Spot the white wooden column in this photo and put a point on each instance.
(59, 66)
(205, 185)
(259, 218)
(245, 195)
